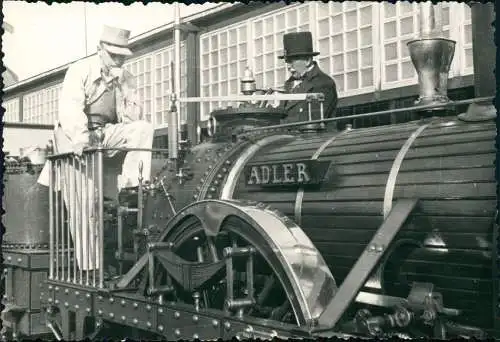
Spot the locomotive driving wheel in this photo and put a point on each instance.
(244, 260)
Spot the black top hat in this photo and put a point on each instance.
(298, 44)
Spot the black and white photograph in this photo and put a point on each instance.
(249, 170)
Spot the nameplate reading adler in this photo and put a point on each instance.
(297, 172)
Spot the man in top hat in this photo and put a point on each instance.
(306, 77)
(98, 92)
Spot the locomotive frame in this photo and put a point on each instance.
(270, 279)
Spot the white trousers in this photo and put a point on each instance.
(79, 183)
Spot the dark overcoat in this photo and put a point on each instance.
(314, 81)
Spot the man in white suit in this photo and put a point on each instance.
(97, 91)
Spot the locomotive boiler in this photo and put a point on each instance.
(299, 230)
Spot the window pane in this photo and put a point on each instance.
(348, 5)
(365, 15)
(279, 39)
(468, 58)
(367, 57)
(337, 43)
(404, 51)
(446, 16)
(259, 46)
(206, 76)
(223, 56)
(352, 80)
(223, 72)
(233, 53)
(391, 51)
(243, 51)
(366, 36)
(408, 70)
(257, 28)
(269, 61)
(338, 63)
(234, 87)
(269, 79)
(324, 27)
(291, 18)
(389, 10)
(243, 33)
(223, 39)
(468, 34)
(215, 90)
(390, 30)
(391, 73)
(215, 42)
(280, 21)
(269, 43)
(233, 70)
(233, 37)
(268, 25)
(324, 46)
(336, 7)
(214, 58)
(206, 91)
(223, 89)
(322, 10)
(337, 24)
(405, 7)
(205, 61)
(215, 74)
(243, 65)
(352, 60)
(352, 40)
(351, 20)
(407, 25)
(259, 63)
(304, 13)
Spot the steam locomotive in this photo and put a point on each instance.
(270, 230)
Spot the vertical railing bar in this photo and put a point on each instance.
(94, 244)
(101, 218)
(65, 202)
(51, 222)
(82, 218)
(74, 218)
(88, 211)
(120, 238)
(58, 179)
(70, 221)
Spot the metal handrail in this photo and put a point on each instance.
(245, 98)
(364, 115)
(95, 149)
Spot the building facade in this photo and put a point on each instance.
(362, 45)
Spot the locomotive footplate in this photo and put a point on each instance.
(170, 320)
